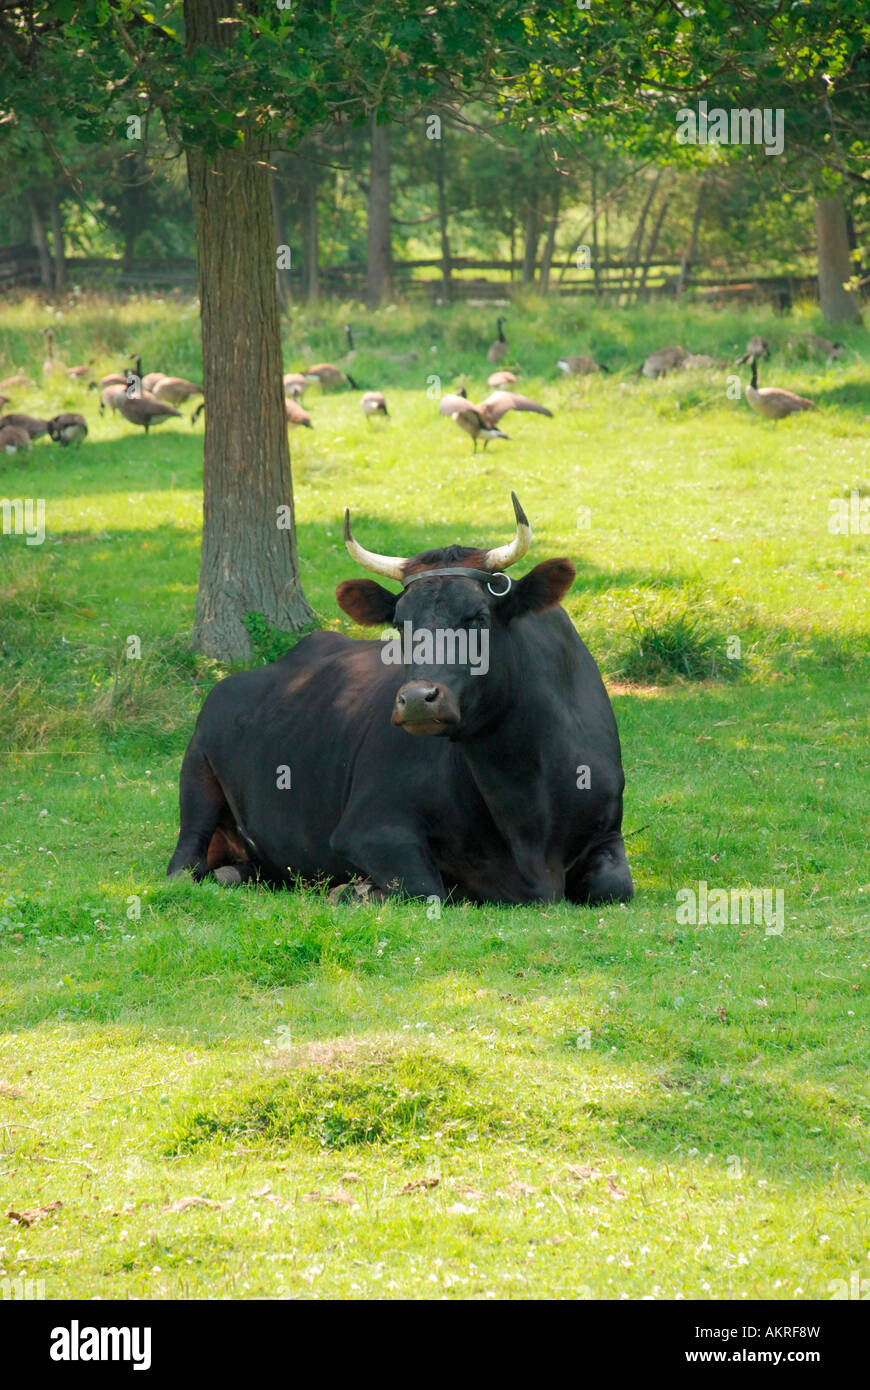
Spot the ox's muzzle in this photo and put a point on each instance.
(422, 707)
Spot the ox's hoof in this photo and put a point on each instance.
(360, 891)
(228, 875)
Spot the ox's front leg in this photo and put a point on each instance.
(396, 858)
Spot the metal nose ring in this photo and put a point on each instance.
(500, 593)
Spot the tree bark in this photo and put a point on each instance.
(651, 249)
(636, 242)
(379, 269)
(838, 304)
(132, 203)
(688, 258)
(57, 245)
(530, 243)
(443, 219)
(249, 564)
(40, 240)
(550, 243)
(596, 265)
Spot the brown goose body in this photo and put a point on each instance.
(68, 428)
(174, 389)
(772, 402)
(374, 403)
(296, 414)
(328, 377)
(482, 420)
(498, 349)
(32, 426)
(664, 361)
(498, 379)
(578, 365)
(140, 409)
(15, 383)
(14, 440)
(112, 379)
(295, 384)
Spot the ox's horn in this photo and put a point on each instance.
(505, 555)
(391, 566)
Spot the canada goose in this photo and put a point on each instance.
(174, 389)
(4, 400)
(147, 382)
(15, 383)
(111, 395)
(328, 376)
(140, 409)
(823, 347)
(498, 349)
(580, 366)
(773, 403)
(52, 364)
(374, 403)
(32, 426)
(497, 379)
(113, 379)
(756, 347)
(13, 440)
(296, 415)
(664, 361)
(68, 428)
(351, 350)
(295, 384)
(483, 419)
(76, 373)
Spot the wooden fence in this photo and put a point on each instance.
(423, 279)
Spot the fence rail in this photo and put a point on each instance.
(19, 269)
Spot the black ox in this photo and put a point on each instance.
(510, 793)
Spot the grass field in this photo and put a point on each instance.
(245, 1093)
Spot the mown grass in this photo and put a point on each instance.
(370, 1101)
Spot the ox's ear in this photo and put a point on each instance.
(366, 602)
(543, 587)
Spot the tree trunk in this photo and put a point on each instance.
(379, 270)
(596, 267)
(57, 245)
(443, 219)
(651, 249)
(550, 243)
(132, 203)
(838, 304)
(248, 563)
(530, 243)
(40, 240)
(633, 250)
(691, 251)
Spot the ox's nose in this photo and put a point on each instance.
(424, 708)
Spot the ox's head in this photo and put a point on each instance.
(454, 620)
